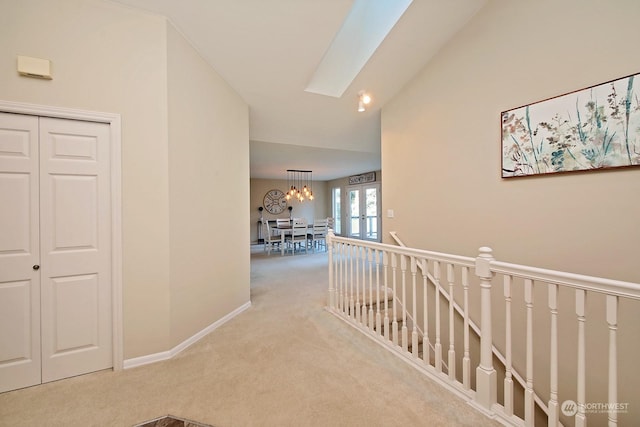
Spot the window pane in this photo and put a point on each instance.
(336, 213)
(371, 201)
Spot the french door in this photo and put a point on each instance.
(55, 249)
(363, 214)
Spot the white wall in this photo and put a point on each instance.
(441, 137)
(113, 59)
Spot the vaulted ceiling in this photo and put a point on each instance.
(268, 51)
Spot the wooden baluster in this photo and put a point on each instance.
(508, 378)
(394, 322)
(438, 346)
(405, 331)
(385, 268)
(339, 273)
(370, 259)
(336, 272)
(356, 266)
(414, 327)
(339, 276)
(362, 285)
(378, 300)
(332, 282)
(426, 346)
(529, 403)
(554, 415)
(344, 267)
(466, 359)
(363, 280)
(345, 279)
(581, 418)
(352, 305)
(451, 356)
(612, 320)
(486, 382)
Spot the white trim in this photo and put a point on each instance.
(113, 120)
(166, 355)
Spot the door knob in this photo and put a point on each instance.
(36, 267)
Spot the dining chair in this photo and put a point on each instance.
(283, 222)
(331, 222)
(318, 233)
(271, 240)
(298, 236)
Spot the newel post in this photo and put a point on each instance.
(486, 380)
(332, 290)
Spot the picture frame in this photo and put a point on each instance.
(362, 178)
(590, 129)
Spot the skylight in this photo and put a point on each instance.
(365, 27)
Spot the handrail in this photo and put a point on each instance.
(577, 281)
(437, 256)
(476, 329)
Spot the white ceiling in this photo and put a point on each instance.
(268, 50)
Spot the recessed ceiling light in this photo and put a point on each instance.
(363, 99)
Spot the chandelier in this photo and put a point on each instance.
(300, 185)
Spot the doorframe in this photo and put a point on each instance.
(114, 122)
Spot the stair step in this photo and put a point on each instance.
(374, 296)
(398, 317)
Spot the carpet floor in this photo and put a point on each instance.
(283, 362)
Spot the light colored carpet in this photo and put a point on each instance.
(283, 362)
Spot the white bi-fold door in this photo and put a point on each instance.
(55, 249)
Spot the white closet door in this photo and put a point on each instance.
(19, 253)
(75, 241)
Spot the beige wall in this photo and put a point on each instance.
(318, 208)
(441, 138)
(114, 59)
(208, 150)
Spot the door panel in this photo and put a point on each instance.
(75, 325)
(76, 248)
(75, 214)
(14, 216)
(19, 252)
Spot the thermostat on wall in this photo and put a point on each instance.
(34, 67)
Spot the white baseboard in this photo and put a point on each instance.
(165, 355)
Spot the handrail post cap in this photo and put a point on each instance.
(483, 268)
(485, 252)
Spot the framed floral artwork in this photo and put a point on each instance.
(590, 129)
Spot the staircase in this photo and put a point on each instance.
(423, 307)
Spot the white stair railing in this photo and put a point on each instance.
(386, 277)
(470, 325)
